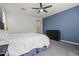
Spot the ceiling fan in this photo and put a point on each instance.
(41, 8)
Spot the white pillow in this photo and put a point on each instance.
(4, 34)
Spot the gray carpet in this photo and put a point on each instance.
(58, 48)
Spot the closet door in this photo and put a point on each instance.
(39, 26)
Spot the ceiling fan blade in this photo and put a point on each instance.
(35, 8)
(47, 7)
(38, 11)
(45, 10)
(40, 5)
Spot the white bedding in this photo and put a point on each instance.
(3, 37)
(22, 43)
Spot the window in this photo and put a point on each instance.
(1, 22)
(4, 21)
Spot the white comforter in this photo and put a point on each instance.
(23, 43)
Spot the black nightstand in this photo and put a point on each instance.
(2, 54)
(3, 49)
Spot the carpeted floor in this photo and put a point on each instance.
(58, 48)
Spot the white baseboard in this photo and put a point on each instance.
(69, 42)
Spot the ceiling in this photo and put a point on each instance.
(57, 7)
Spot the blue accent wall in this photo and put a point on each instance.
(0, 19)
(67, 22)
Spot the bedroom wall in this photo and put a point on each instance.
(0, 14)
(19, 22)
(67, 22)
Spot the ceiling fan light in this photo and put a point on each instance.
(41, 10)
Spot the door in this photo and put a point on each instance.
(39, 26)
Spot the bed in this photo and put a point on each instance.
(26, 44)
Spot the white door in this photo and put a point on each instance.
(39, 26)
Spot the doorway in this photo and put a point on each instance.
(39, 26)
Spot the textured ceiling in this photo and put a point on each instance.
(57, 7)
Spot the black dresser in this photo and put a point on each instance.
(53, 34)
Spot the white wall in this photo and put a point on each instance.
(18, 22)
